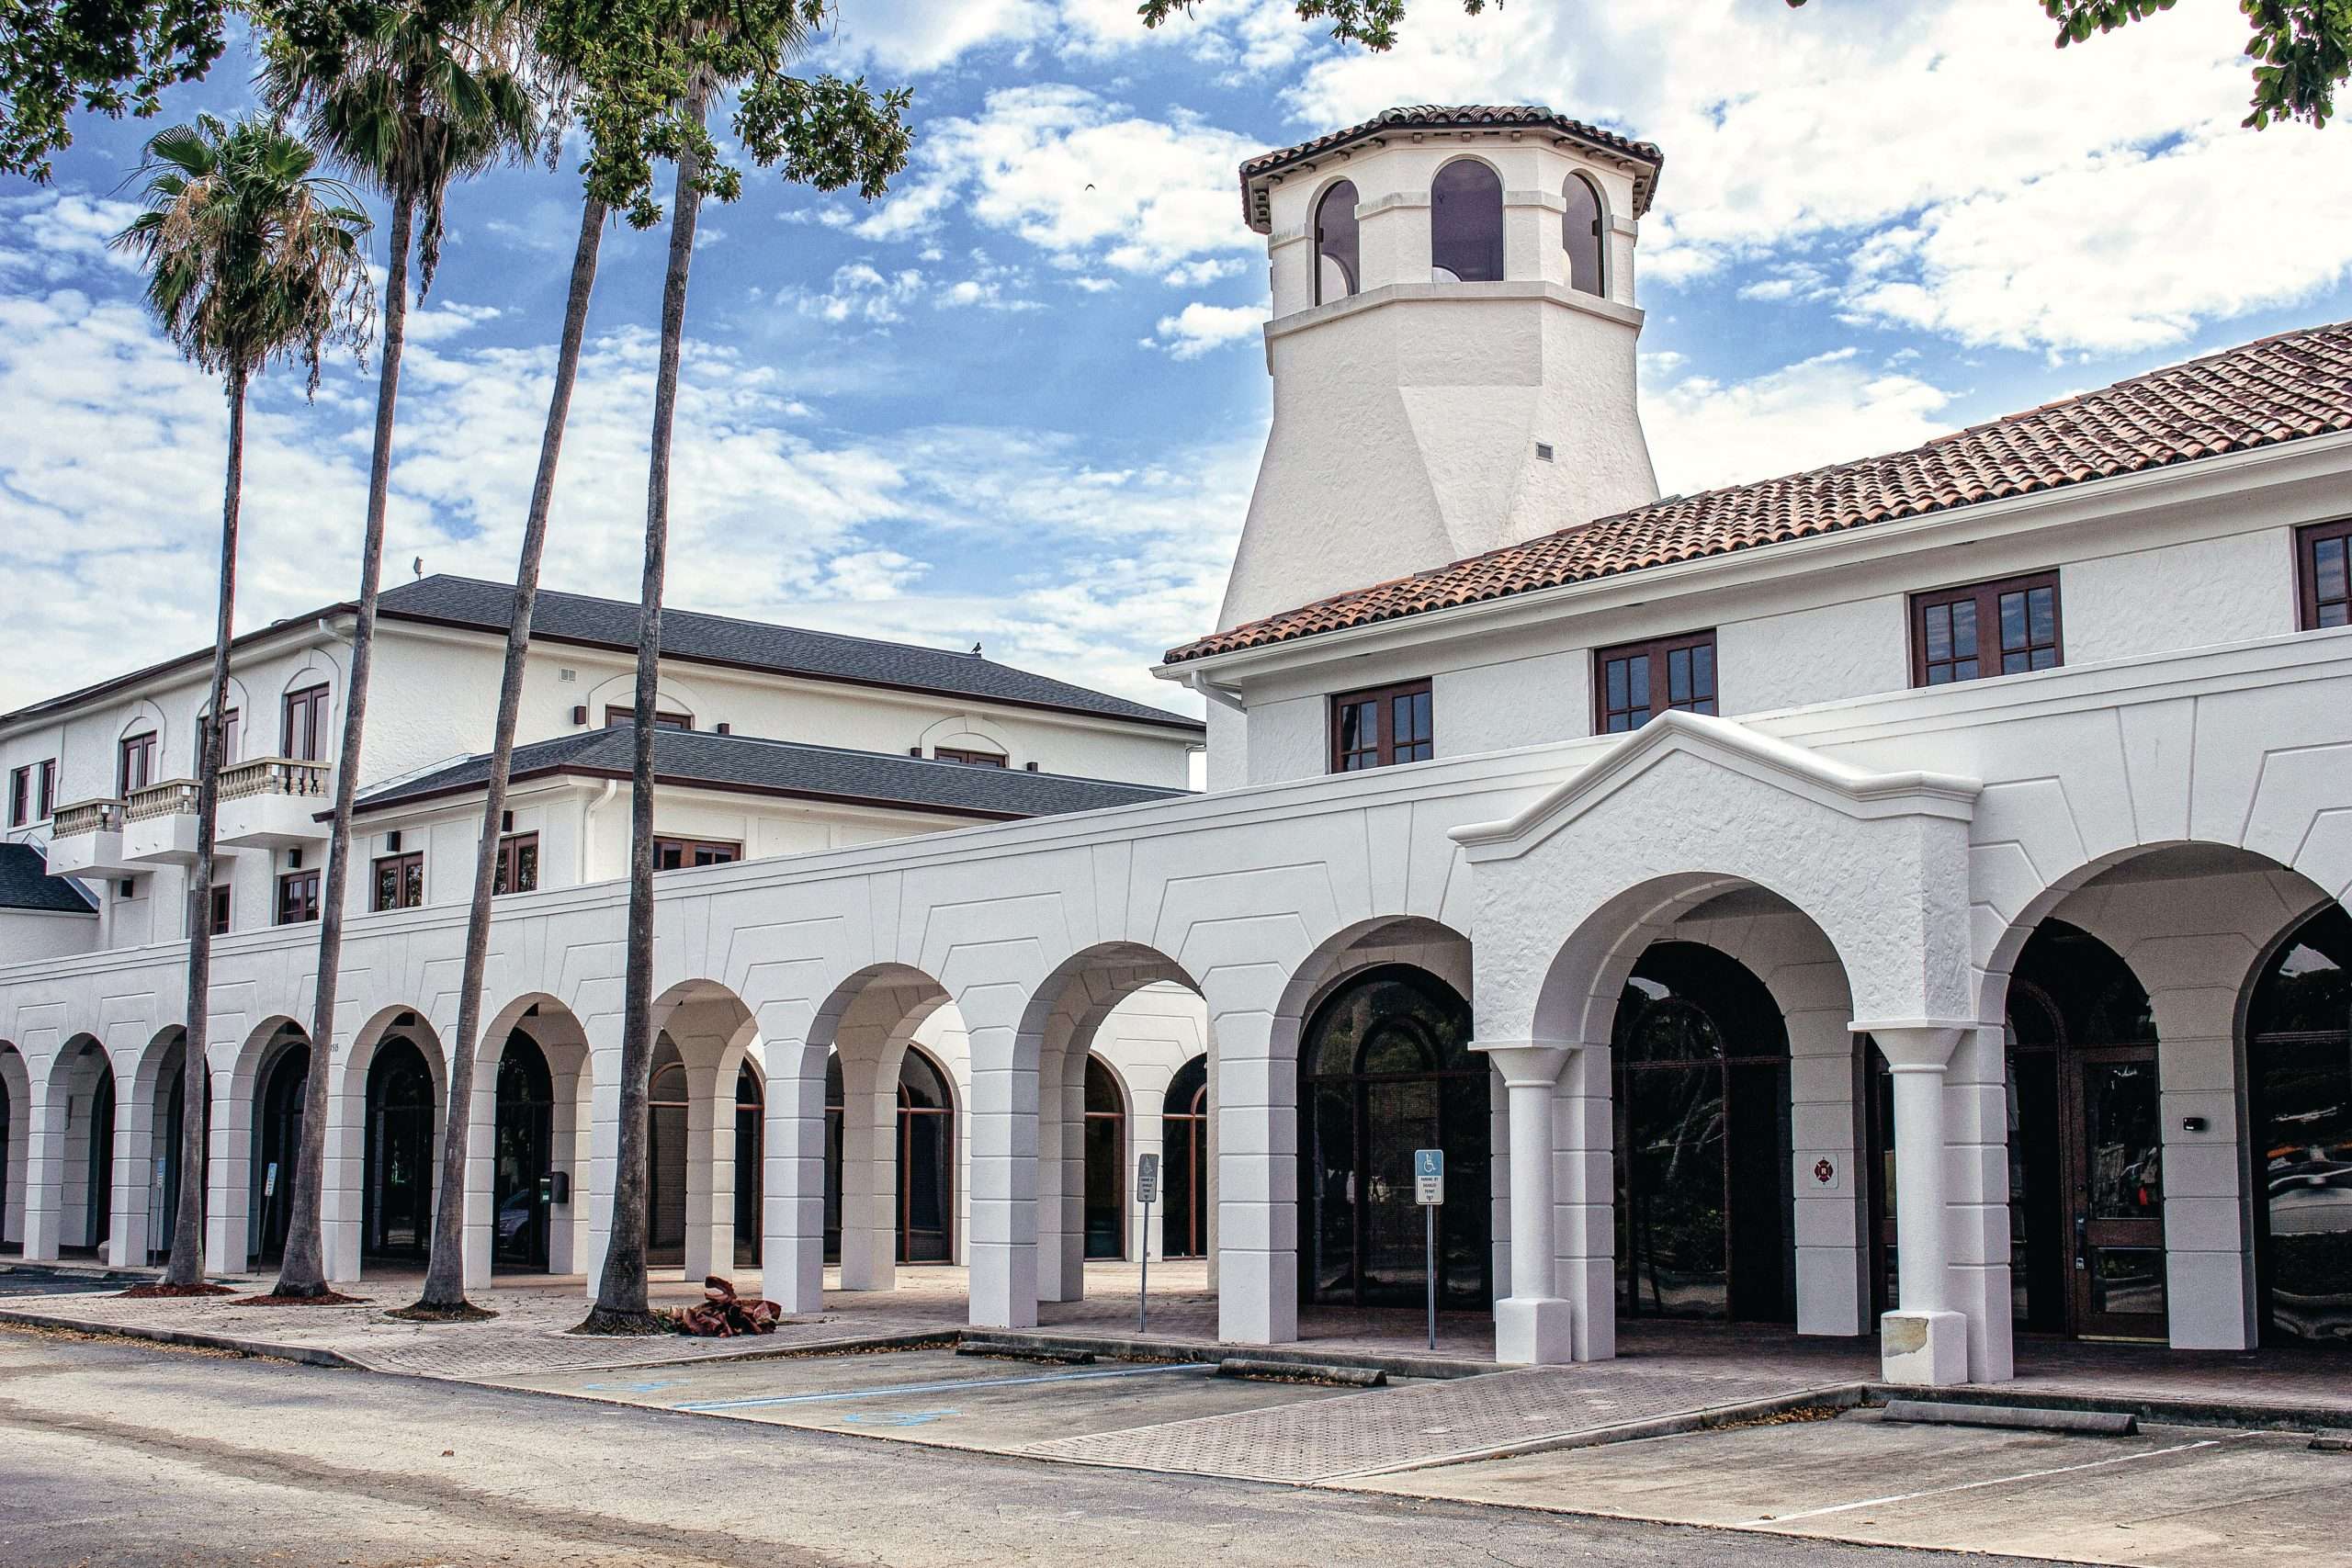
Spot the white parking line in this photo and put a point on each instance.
(1764, 1524)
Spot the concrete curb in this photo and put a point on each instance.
(260, 1349)
(2242, 1415)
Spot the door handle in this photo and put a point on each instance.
(2082, 1241)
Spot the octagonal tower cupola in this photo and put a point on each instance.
(1453, 344)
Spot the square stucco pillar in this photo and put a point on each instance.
(1061, 1180)
(1256, 1152)
(792, 1247)
(44, 1174)
(1004, 1182)
(869, 1171)
(136, 1186)
(1976, 1202)
(1584, 1144)
(1923, 1341)
(1832, 1216)
(1534, 1325)
(603, 1145)
(710, 1173)
(476, 1229)
(229, 1177)
(2208, 1256)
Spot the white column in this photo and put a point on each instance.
(592, 1182)
(227, 1177)
(1060, 1268)
(792, 1246)
(710, 1175)
(1585, 1132)
(1923, 1341)
(1254, 1192)
(343, 1197)
(134, 1171)
(482, 1173)
(1533, 1325)
(869, 1172)
(1004, 1179)
(44, 1171)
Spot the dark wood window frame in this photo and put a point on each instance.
(298, 898)
(1697, 677)
(511, 877)
(45, 789)
(20, 795)
(140, 746)
(228, 743)
(971, 757)
(1353, 750)
(1992, 650)
(220, 908)
(2323, 599)
(619, 712)
(302, 724)
(407, 872)
(672, 855)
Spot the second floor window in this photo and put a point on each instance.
(135, 767)
(400, 881)
(663, 719)
(1986, 628)
(298, 898)
(973, 758)
(220, 908)
(1635, 682)
(45, 788)
(2324, 574)
(228, 743)
(305, 734)
(669, 854)
(20, 796)
(1382, 726)
(519, 864)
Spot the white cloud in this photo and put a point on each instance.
(1198, 328)
(1084, 179)
(1828, 409)
(1194, 274)
(49, 235)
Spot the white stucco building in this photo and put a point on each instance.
(1902, 898)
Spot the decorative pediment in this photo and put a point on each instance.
(1851, 792)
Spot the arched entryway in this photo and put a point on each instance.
(1183, 1162)
(9, 1193)
(523, 1155)
(277, 1144)
(2299, 1074)
(2086, 1142)
(397, 1220)
(1385, 1068)
(1106, 1158)
(1705, 1198)
(751, 1144)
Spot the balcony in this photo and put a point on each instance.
(272, 802)
(159, 824)
(86, 840)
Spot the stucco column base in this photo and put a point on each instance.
(1923, 1349)
(1538, 1332)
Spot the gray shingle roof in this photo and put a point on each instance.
(789, 768)
(25, 883)
(759, 645)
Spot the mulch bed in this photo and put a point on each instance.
(324, 1299)
(420, 1314)
(163, 1292)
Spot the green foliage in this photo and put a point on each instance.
(408, 96)
(113, 56)
(1371, 23)
(646, 69)
(252, 255)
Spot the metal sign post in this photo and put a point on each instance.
(1428, 1190)
(1147, 1188)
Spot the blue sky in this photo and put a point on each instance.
(999, 406)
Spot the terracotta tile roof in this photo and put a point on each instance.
(2279, 388)
(1450, 117)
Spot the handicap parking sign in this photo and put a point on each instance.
(1428, 1176)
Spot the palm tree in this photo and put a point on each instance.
(407, 96)
(252, 258)
(828, 133)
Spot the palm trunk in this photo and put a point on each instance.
(303, 1271)
(187, 1266)
(445, 1281)
(621, 1295)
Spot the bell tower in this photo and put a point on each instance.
(1453, 345)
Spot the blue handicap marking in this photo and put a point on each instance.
(901, 1417)
(1428, 1163)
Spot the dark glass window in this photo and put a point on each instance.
(228, 743)
(20, 796)
(305, 728)
(519, 864)
(617, 713)
(399, 882)
(298, 898)
(669, 854)
(975, 759)
(1467, 224)
(1337, 274)
(2324, 573)
(1583, 228)
(221, 909)
(135, 766)
(45, 789)
(1637, 681)
(1987, 628)
(1375, 728)
(2299, 1056)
